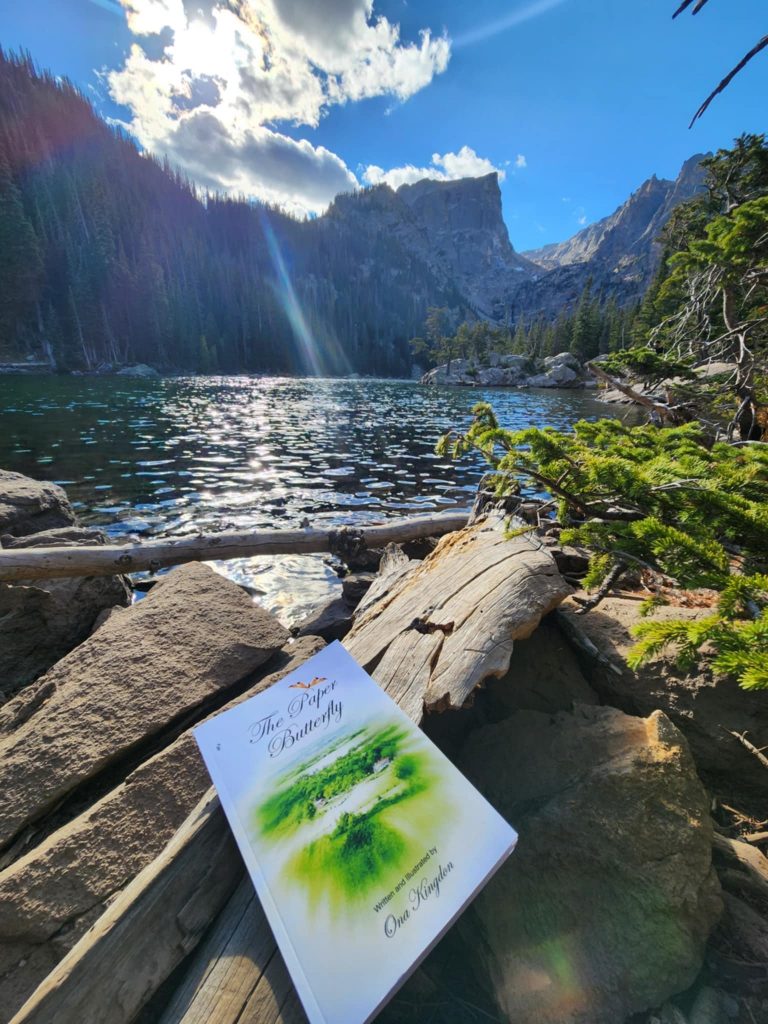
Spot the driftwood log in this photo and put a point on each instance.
(109, 560)
(428, 632)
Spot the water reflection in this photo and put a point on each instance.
(177, 456)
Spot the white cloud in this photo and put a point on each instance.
(520, 161)
(209, 82)
(448, 167)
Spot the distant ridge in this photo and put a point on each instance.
(620, 253)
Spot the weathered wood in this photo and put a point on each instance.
(661, 409)
(443, 625)
(149, 929)
(107, 560)
(237, 973)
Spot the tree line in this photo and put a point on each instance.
(594, 326)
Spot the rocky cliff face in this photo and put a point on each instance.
(446, 243)
(467, 237)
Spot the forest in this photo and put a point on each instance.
(109, 257)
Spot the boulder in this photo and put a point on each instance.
(605, 907)
(563, 359)
(139, 370)
(501, 376)
(544, 675)
(442, 374)
(707, 708)
(332, 621)
(49, 897)
(28, 506)
(498, 371)
(195, 637)
(522, 364)
(560, 376)
(355, 586)
(42, 620)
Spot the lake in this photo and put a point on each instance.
(173, 456)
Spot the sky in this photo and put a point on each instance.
(573, 102)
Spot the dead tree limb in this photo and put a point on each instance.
(45, 563)
(741, 737)
(664, 411)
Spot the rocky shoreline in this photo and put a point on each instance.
(510, 371)
(641, 863)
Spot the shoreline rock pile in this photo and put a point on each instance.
(42, 620)
(510, 371)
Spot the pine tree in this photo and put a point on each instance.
(20, 263)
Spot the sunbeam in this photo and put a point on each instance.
(290, 303)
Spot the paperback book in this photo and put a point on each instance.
(363, 841)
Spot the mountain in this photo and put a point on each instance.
(466, 233)
(620, 253)
(108, 256)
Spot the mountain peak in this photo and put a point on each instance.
(463, 222)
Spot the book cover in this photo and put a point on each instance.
(363, 841)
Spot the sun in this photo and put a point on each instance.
(203, 50)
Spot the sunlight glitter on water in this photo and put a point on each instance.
(175, 456)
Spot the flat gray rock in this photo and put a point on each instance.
(194, 636)
(49, 897)
(28, 506)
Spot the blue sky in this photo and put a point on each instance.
(575, 102)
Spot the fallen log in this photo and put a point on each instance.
(666, 412)
(430, 632)
(109, 560)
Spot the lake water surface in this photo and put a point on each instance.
(174, 456)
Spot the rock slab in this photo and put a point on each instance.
(42, 620)
(704, 706)
(605, 907)
(51, 895)
(194, 636)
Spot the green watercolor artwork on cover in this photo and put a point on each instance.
(355, 815)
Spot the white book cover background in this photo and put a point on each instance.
(362, 839)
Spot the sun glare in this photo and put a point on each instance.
(202, 50)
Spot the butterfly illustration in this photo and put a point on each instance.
(307, 686)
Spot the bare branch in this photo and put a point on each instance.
(687, 3)
(762, 45)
